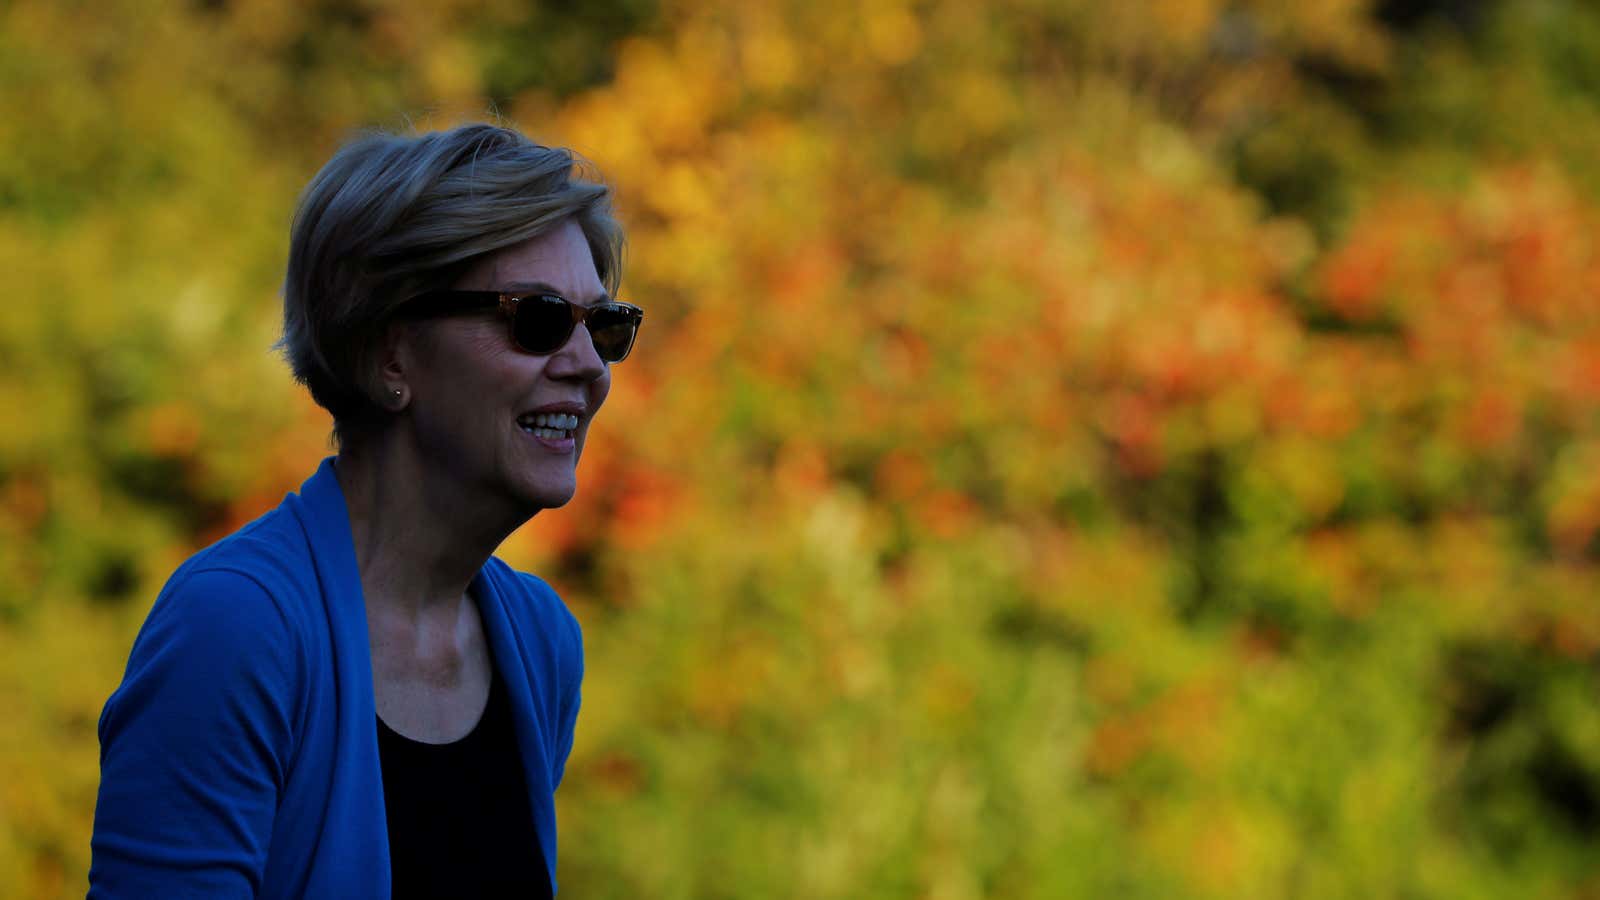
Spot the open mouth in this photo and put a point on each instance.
(550, 426)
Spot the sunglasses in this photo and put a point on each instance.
(541, 322)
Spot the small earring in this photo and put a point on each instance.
(397, 392)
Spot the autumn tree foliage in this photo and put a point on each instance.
(1074, 449)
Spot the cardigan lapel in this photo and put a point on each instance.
(355, 801)
(508, 644)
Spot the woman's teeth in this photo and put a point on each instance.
(553, 426)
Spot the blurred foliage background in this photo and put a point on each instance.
(1077, 449)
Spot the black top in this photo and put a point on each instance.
(459, 820)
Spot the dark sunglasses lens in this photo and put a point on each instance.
(613, 330)
(542, 324)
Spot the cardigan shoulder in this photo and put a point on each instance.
(529, 599)
(536, 607)
(243, 604)
(249, 598)
(272, 550)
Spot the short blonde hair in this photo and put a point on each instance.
(391, 216)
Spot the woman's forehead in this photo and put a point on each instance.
(558, 260)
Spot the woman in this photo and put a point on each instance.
(350, 692)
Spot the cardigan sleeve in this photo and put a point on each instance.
(571, 698)
(195, 744)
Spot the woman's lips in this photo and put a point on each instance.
(553, 444)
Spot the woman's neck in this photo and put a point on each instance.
(419, 537)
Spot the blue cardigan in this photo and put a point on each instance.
(239, 757)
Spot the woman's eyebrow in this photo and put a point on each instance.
(523, 287)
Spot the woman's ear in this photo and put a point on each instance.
(391, 367)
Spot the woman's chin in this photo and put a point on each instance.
(547, 495)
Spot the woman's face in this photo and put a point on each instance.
(473, 391)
